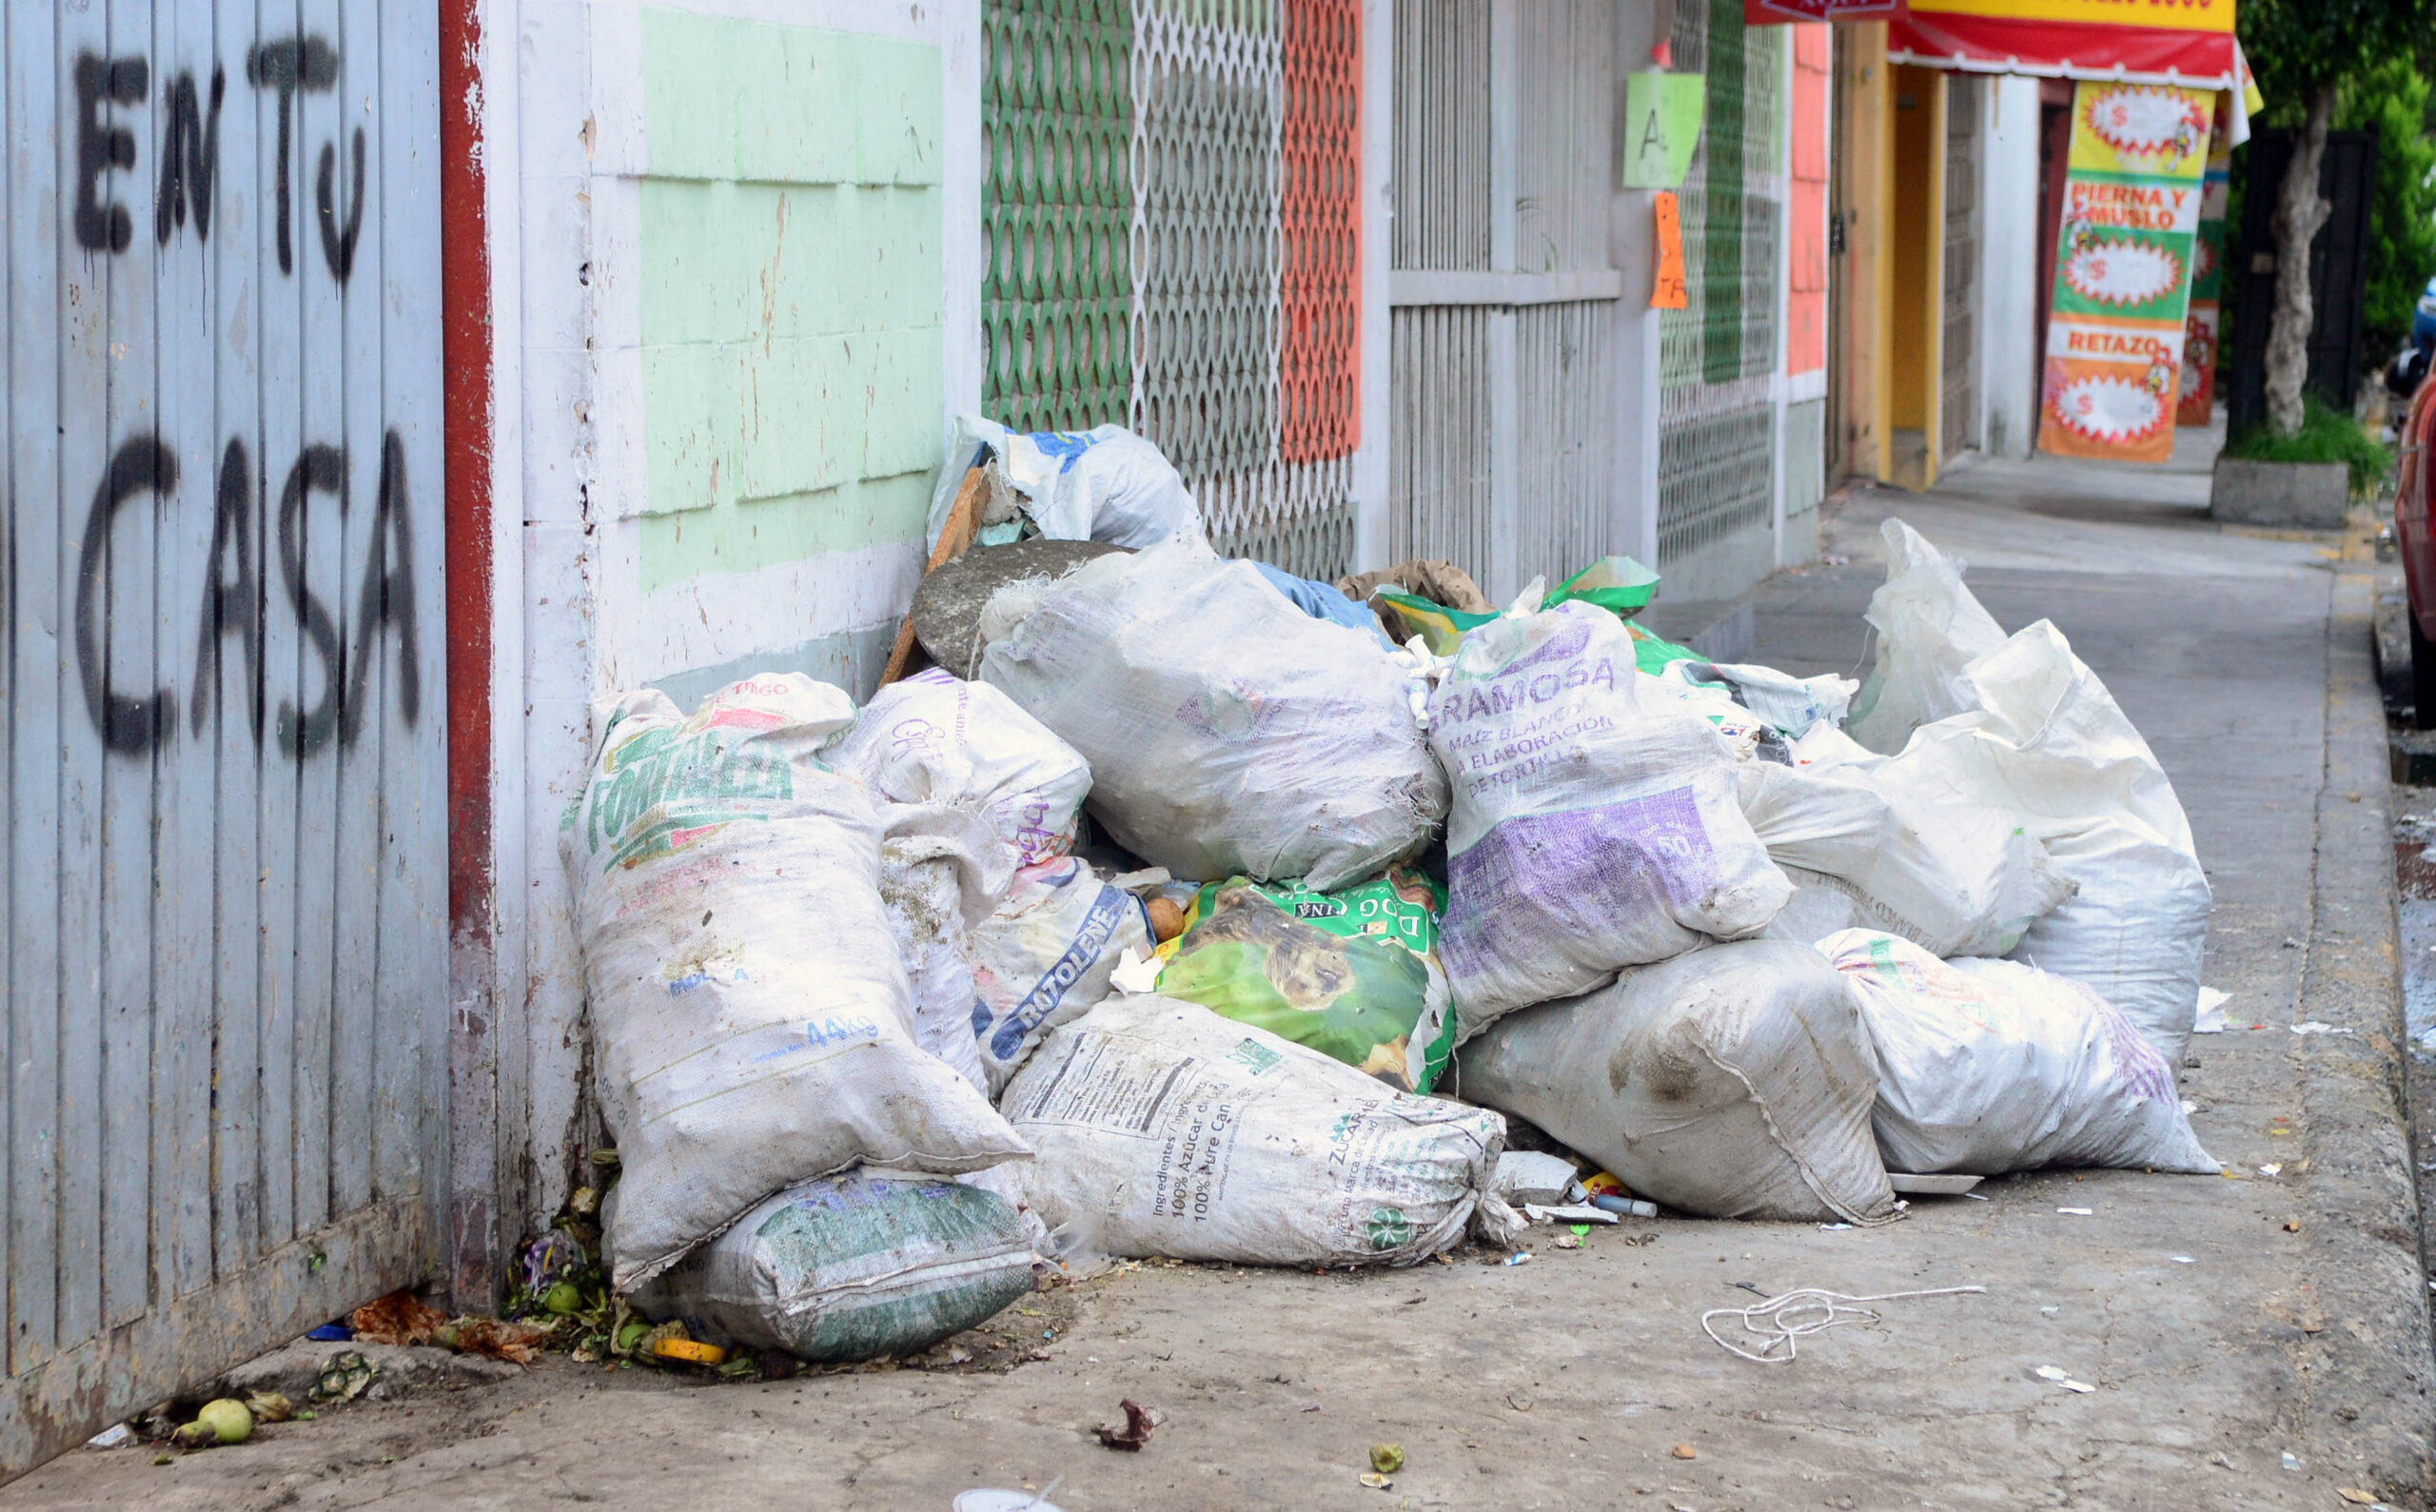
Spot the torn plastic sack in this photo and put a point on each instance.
(933, 738)
(1928, 628)
(1044, 955)
(1105, 483)
(1228, 732)
(1322, 600)
(1353, 973)
(749, 1006)
(942, 869)
(1990, 1067)
(852, 1266)
(1165, 1129)
(1592, 829)
(2045, 744)
(1788, 704)
(1731, 1082)
(1954, 878)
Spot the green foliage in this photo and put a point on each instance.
(2299, 46)
(2328, 435)
(2392, 98)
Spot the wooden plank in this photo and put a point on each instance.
(36, 505)
(354, 755)
(955, 536)
(278, 447)
(310, 530)
(183, 766)
(409, 1148)
(226, 695)
(84, 455)
(131, 533)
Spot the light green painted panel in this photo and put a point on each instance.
(744, 261)
(791, 292)
(758, 101)
(677, 548)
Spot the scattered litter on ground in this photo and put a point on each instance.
(112, 1437)
(1780, 1323)
(2079, 1212)
(400, 1318)
(2211, 1011)
(2291, 1461)
(1684, 1451)
(2062, 1379)
(1386, 1458)
(986, 1499)
(1139, 1421)
(2274, 1167)
(1375, 1481)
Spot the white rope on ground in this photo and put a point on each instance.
(1779, 1323)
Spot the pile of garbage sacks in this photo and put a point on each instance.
(1212, 922)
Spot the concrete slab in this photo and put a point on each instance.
(2224, 1324)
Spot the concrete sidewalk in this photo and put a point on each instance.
(2226, 1323)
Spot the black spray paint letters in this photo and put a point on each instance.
(190, 150)
(235, 601)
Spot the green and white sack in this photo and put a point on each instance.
(749, 1008)
(852, 1266)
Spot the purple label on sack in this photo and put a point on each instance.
(1577, 872)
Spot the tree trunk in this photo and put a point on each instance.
(2299, 212)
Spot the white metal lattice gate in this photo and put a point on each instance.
(224, 817)
(1501, 339)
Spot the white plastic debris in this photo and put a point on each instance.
(1533, 1176)
(2211, 1011)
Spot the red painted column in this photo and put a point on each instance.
(472, 1241)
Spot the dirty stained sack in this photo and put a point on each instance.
(1165, 1129)
(1044, 955)
(935, 738)
(1731, 1082)
(852, 1266)
(749, 1006)
(942, 869)
(1594, 827)
(1990, 1065)
(1228, 732)
(1954, 878)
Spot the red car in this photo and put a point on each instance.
(2414, 488)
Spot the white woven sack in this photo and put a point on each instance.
(1043, 956)
(1990, 1067)
(942, 869)
(1165, 1129)
(1953, 878)
(1227, 731)
(1731, 1082)
(935, 738)
(2046, 744)
(1928, 628)
(749, 1006)
(1593, 827)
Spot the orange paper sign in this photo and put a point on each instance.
(1668, 293)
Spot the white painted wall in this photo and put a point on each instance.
(564, 147)
(2008, 265)
(1633, 251)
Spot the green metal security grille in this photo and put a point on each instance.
(1717, 357)
(1057, 207)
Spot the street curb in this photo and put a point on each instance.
(2365, 1388)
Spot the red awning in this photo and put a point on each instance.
(2183, 42)
(2188, 43)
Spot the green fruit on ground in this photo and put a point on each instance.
(227, 1419)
